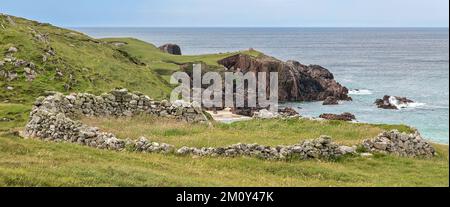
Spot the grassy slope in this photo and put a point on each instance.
(166, 64)
(97, 66)
(94, 65)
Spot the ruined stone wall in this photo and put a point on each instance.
(401, 144)
(53, 118)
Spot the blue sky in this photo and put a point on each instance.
(239, 13)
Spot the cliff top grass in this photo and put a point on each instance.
(166, 64)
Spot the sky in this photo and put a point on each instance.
(233, 13)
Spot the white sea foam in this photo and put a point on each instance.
(360, 92)
(394, 101)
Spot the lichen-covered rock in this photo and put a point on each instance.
(401, 144)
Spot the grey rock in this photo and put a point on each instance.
(13, 50)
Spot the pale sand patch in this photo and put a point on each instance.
(227, 117)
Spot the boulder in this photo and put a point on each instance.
(341, 117)
(13, 50)
(297, 82)
(171, 49)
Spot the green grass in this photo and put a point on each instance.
(267, 132)
(13, 116)
(37, 163)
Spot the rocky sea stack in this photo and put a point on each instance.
(297, 82)
(393, 102)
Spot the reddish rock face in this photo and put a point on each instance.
(171, 49)
(297, 82)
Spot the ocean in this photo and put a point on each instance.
(371, 62)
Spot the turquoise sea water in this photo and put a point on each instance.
(411, 62)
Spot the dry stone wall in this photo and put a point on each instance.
(321, 148)
(53, 118)
(401, 144)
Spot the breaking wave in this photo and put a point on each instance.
(394, 101)
(360, 92)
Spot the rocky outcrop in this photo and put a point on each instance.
(330, 101)
(393, 102)
(297, 82)
(321, 148)
(341, 117)
(171, 49)
(401, 144)
(11, 67)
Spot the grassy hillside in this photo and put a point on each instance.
(166, 64)
(79, 63)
